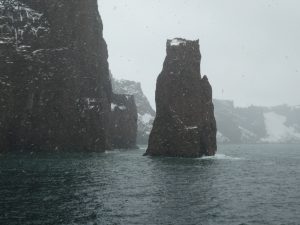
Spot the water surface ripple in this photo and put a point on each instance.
(248, 184)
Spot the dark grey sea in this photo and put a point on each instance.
(241, 185)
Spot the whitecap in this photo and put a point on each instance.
(221, 157)
(112, 151)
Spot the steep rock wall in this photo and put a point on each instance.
(54, 79)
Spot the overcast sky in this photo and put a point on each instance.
(250, 48)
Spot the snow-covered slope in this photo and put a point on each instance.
(280, 124)
(146, 114)
(278, 130)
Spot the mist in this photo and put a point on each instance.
(250, 49)
(78, 147)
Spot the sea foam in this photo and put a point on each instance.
(221, 157)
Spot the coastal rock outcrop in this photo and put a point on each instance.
(184, 125)
(146, 114)
(123, 121)
(55, 90)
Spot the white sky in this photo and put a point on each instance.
(250, 48)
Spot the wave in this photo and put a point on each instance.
(221, 157)
(112, 151)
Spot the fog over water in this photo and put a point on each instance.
(250, 49)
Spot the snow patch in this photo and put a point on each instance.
(296, 107)
(4, 83)
(246, 134)
(37, 51)
(221, 138)
(277, 131)
(91, 102)
(146, 118)
(191, 128)
(177, 42)
(113, 106)
(122, 107)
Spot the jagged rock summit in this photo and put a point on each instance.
(185, 125)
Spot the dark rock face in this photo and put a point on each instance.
(184, 125)
(55, 90)
(123, 121)
(146, 114)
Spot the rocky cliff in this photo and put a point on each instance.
(123, 121)
(146, 113)
(254, 124)
(236, 125)
(184, 125)
(54, 79)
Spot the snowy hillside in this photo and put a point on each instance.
(280, 124)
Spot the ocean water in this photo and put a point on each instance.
(247, 184)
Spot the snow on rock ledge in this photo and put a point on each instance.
(177, 42)
(120, 107)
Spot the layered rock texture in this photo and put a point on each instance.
(255, 124)
(184, 125)
(123, 121)
(55, 90)
(146, 114)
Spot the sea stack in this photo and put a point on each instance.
(185, 125)
(123, 121)
(146, 113)
(54, 78)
